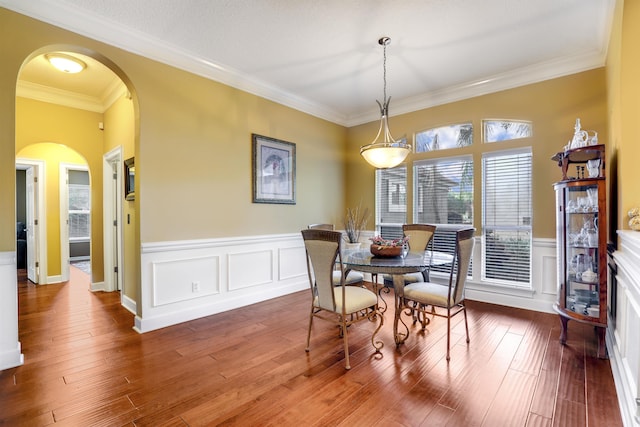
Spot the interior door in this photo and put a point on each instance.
(32, 226)
(116, 226)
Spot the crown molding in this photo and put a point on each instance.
(66, 98)
(136, 42)
(58, 96)
(115, 34)
(535, 73)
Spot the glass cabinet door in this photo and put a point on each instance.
(582, 250)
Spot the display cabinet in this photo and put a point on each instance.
(581, 223)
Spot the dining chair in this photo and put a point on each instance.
(342, 305)
(353, 277)
(421, 299)
(420, 239)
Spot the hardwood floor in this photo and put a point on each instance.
(84, 365)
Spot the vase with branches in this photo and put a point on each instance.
(355, 221)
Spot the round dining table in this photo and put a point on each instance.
(397, 267)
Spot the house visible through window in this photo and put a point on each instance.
(391, 201)
(443, 195)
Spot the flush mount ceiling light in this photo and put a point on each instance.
(65, 63)
(385, 152)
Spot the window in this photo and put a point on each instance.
(443, 191)
(502, 130)
(391, 201)
(443, 195)
(79, 212)
(444, 137)
(506, 217)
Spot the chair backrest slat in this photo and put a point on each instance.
(420, 236)
(329, 227)
(460, 270)
(323, 249)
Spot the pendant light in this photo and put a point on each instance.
(385, 152)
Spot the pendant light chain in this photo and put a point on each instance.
(384, 72)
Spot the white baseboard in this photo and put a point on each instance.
(11, 358)
(97, 287)
(129, 304)
(51, 280)
(147, 324)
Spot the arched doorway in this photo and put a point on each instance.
(91, 113)
(60, 228)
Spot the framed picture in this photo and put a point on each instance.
(274, 170)
(129, 179)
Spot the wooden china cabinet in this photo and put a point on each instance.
(581, 228)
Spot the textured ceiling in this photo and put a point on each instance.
(322, 56)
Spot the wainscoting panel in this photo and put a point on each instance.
(10, 348)
(623, 344)
(293, 263)
(183, 279)
(541, 295)
(186, 280)
(248, 269)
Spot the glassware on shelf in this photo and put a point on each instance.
(580, 137)
(592, 194)
(593, 167)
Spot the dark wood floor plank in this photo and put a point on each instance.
(84, 365)
(601, 394)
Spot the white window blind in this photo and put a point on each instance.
(506, 219)
(391, 201)
(79, 211)
(443, 195)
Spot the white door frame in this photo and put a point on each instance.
(64, 215)
(112, 217)
(36, 232)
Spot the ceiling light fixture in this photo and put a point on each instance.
(385, 152)
(65, 63)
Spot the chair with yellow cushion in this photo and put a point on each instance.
(420, 239)
(422, 299)
(342, 305)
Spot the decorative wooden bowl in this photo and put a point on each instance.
(386, 251)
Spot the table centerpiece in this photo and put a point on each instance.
(387, 247)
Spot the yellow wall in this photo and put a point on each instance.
(119, 130)
(52, 155)
(623, 71)
(192, 146)
(552, 106)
